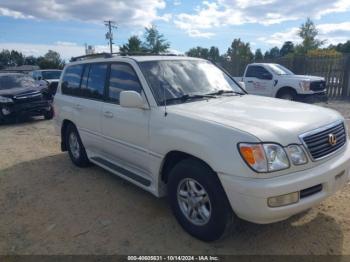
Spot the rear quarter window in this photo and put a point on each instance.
(71, 80)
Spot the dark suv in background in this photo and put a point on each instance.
(21, 96)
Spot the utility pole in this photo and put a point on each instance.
(109, 34)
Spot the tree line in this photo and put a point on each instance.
(13, 58)
(154, 42)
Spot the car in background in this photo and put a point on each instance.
(21, 96)
(47, 78)
(274, 80)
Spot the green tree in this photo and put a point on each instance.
(308, 32)
(343, 48)
(240, 51)
(198, 51)
(267, 55)
(134, 45)
(16, 58)
(274, 52)
(214, 54)
(258, 55)
(287, 48)
(51, 60)
(30, 60)
(155, 43)
(5, 57)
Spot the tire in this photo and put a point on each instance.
(205, 227)
(75, 147)
(287, 95)
(48, 115)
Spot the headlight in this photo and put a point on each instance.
(305, 85)
(297, 155)
(264, 157)
(5, 99)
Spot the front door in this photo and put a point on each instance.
(125, 130)
(258, 81)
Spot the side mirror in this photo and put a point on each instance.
(39, 77)
(131, 99)
(242, 84)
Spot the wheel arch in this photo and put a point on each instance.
(284, 89)
(171, 159)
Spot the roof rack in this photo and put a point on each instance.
(91, 56)
(109, 55)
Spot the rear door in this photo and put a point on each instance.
(258, 81)
(125, 130)
(90, 103)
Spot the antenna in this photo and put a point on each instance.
(164, 96)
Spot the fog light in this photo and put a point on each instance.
(5, 111)
(283, 200)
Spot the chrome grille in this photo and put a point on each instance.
(318, 141)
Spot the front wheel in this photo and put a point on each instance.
(287, 95)
(198, 200)
(49, 114)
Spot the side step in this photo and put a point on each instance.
(122, 171)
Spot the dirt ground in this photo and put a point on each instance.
(49, 206)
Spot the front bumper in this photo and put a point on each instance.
(25, 109)
(248, 197)
(313, 97)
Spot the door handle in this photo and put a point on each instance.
(250, 81)
(108, 114)
(78, 106)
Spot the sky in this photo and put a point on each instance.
(35, 26)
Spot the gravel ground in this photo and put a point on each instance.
(49, 206)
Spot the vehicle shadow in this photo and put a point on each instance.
(49, 206)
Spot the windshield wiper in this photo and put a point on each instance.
(186, 97)
(221, 92)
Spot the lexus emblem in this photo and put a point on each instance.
(332, 139)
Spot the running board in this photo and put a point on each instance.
(122, 171)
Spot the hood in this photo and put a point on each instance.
(17, 91)
(268, 119)
(303, 77)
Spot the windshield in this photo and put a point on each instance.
(51, 74)
(280, 70)
(15, 81)
(177, 78)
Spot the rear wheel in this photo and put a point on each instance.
(198, 200)
(75, 147)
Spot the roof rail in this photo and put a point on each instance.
(84, 57)
(145, 54)
(109, 55)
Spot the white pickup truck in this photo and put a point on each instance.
(274, 80)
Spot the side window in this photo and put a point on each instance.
(122, 78)
(258, 72)
(71, 80)
(93, 81)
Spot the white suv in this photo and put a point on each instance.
(182, 127)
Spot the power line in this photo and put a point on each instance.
(109, 35)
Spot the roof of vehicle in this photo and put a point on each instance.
(138, 58)
(262, 64)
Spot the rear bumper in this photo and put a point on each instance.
(248, 197)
